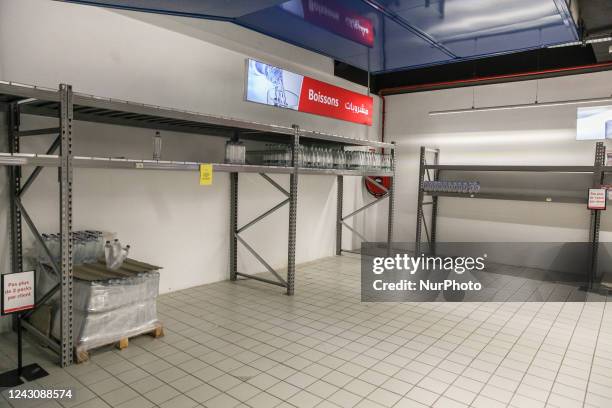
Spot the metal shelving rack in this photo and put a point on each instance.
(431, 170)
(67, 106)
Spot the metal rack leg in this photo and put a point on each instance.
(233, 225)
(339, 215)
(434, 207)
(391, 194)
(66, 119)
(15, 180)
(293, 191)
(598, 177)
(419, 215)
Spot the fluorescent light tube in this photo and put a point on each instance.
(521, 106)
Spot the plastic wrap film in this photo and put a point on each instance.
(111, 302)
(105, 312)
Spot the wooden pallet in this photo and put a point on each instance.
(81, 354)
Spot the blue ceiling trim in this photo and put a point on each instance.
(150, 10)
(405, 24)
(568, 18)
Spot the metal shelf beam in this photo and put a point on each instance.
(92, 108)
(514, 197)
(49, 160)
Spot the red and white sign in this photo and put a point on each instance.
(597, 199)
(17, 292)
(274, 86)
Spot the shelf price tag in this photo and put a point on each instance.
(206, 174)
(597, 199)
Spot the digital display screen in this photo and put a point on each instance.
(594, 123)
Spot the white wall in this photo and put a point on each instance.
(538, 136)
(196, 65)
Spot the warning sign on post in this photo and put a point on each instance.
(597, 199)
(17, 292)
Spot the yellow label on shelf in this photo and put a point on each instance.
(206, 174)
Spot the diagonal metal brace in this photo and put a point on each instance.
(355, 231)
(37, 236)
(260, 259)
(357, 211)
(262, 216)
(43, 300)
(275, 184)
(38, 169)
(37, 132)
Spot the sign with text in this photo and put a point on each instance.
(597, 199)
(206, 174)
(274, 86)
(334, 17)
(17, 292)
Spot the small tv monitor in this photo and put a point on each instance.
(594, 123)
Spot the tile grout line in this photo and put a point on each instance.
(586, 390)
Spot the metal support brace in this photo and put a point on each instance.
(66, 119)
(262, 216)
(598, 178)
(274, 183)
(365, 207)
(233, 225)
(260, 259)
(37, 132)
(38, 169)
(339, 215)
(38, 237)
(341, 219)
(363, 238)
(293, 188)
(391, 195)
(235, 231)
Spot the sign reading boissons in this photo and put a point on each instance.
(274, 86)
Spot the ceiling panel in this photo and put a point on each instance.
(389, 35)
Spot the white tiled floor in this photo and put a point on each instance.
(247, 344)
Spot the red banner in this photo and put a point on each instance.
(324, 99)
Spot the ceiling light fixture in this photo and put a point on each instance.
(521, 106)
(585, 42)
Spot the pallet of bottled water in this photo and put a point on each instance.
(114, 297)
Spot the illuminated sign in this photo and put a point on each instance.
(274, 86)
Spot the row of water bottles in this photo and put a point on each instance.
(235, 152)
(327, 158)
(87, 246)
(453, 186)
